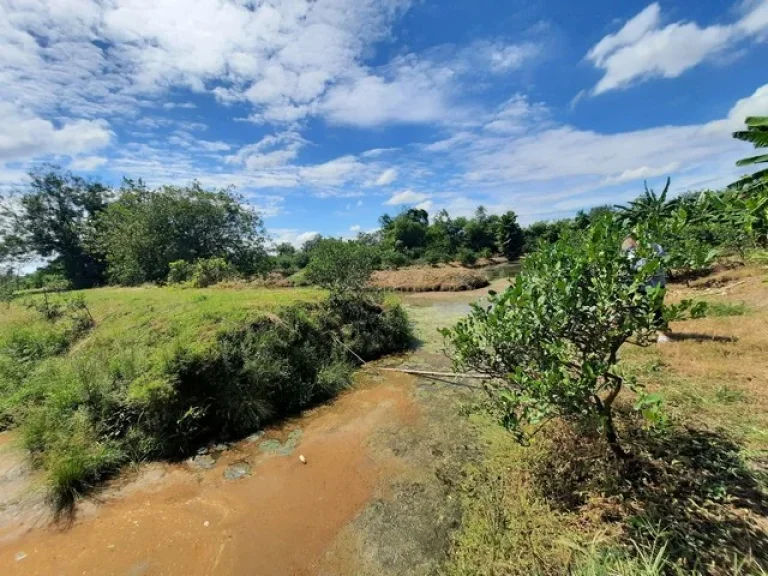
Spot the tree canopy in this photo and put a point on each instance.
(144, 230)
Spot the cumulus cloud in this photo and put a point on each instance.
(94, 58)
(556, 166)
(23, 134)
(387, 177)
(292, 236)
(643, 48)
(409, 91)
(406, 197)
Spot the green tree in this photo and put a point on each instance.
(757, 135)
(509, 236)
(285, 249)
(550, 342)
(340, 266)
(56, 218)
(407, 232)
(145, 230)
(479, 232)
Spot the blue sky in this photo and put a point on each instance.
(324, 114)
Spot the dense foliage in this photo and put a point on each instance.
(340, 266)
(90, 235)
(551, 340)
(757, 135)
(144, 231)
(57, 217)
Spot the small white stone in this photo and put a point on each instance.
(302, 459)
(20, 556)
(206, 523)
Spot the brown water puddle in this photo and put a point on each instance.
(279, 520)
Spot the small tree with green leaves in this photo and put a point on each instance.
(550, 342)
(340, 266)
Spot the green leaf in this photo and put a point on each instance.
(753, 160)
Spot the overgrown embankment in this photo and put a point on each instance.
(154, 372)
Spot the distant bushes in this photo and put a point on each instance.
(202, 273)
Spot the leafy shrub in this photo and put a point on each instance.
(340, 266)
(551, 340)
(210, 271)
(485, 253)
(180, 271)
(394, 260)
(467, 257)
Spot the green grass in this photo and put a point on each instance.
(724, 308)
(161, 370)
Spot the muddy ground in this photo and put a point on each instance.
(375, 496)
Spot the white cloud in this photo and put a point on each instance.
(274, 150)
(551, 168)
(291, 236)
(410, 91)
(355, 228)
(426, 205)
(22, 134)
(94, 58)
(179, 105)
(406, 197)
(387, 177)
(332, 173)
(499, 57)
(643, 49)
(87, 163)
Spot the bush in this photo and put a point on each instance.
(394, 260)
(485, 253)
(210, 271)
(551, 340)
(467, 257)
(180, 271)
(340, 266)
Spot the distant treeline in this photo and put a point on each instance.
(91, 235)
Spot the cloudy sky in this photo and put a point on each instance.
(326, 113)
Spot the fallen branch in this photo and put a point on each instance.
(437, 374)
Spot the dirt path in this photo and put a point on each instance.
(280, 519)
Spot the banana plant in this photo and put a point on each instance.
(757, 135)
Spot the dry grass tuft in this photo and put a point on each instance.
(429, 279)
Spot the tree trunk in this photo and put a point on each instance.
(610, 435)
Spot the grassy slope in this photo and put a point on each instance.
(696, 505)
(69, 390)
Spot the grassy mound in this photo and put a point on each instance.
(158, 371)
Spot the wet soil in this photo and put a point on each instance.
(276, 516)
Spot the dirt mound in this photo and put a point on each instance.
(429, 279)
